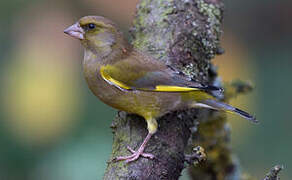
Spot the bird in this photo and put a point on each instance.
(133, 81)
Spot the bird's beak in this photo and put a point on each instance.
(75, 31)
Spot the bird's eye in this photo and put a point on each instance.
(91, 26)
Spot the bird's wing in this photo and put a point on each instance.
(130, 74)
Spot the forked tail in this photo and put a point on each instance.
(212, 104)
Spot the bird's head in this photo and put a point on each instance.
(95, 33)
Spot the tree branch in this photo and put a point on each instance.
(185, 35)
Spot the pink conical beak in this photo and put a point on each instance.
(75, 31)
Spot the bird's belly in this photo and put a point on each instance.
(147, 103)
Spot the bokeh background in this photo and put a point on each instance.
(52, 127)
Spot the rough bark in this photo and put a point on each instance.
(185, 35)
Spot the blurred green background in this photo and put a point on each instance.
(52, 127)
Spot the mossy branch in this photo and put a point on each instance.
(185, 35)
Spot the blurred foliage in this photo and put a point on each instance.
(52, 127)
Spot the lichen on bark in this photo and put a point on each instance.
(185, 34)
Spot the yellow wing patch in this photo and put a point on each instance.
(163, 88)
(112, 81)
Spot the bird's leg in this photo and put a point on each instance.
(152, 128)
(138, 153)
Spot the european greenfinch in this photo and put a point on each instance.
(132, 81)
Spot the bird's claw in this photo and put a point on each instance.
(145, 155)
(135, 155)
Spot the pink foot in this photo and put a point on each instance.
(136, 154)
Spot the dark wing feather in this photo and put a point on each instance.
(142, 73)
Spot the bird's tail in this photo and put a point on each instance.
(213, 104)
